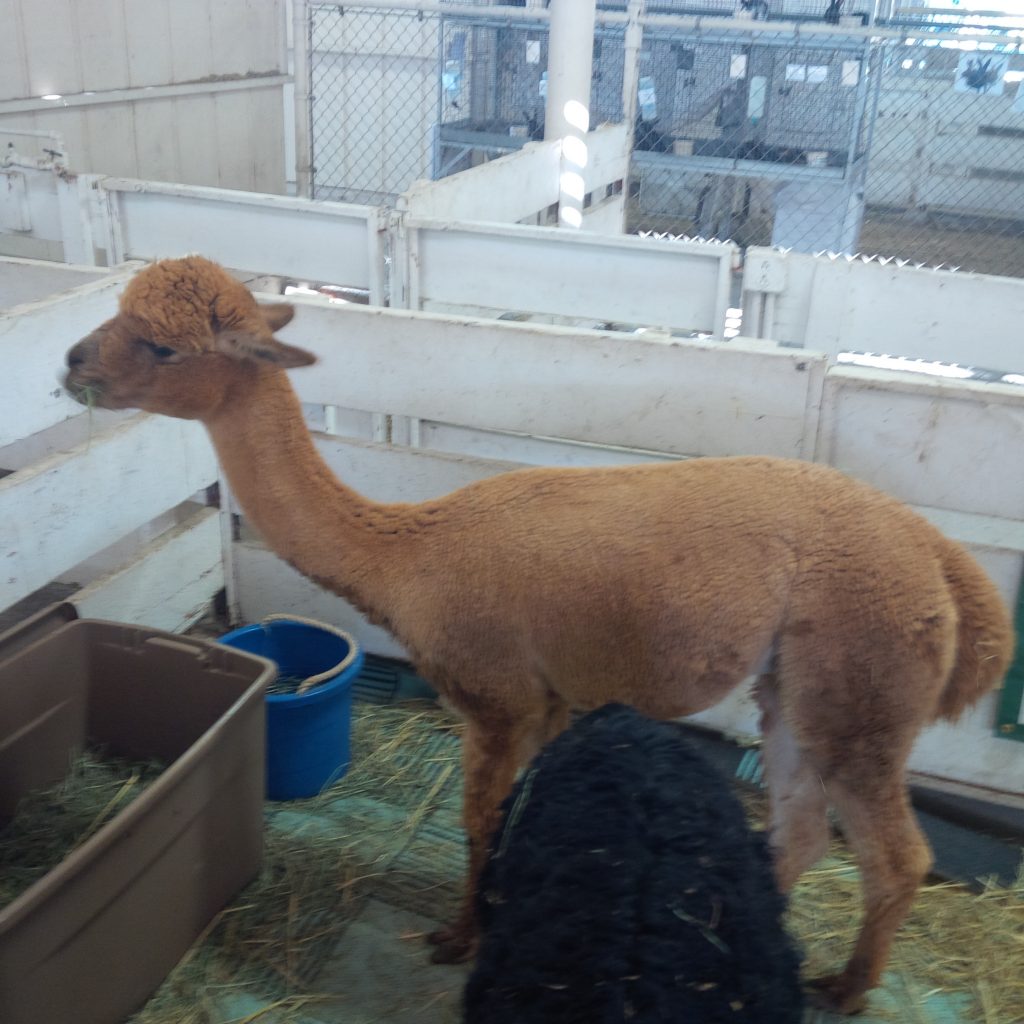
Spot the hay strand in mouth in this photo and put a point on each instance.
(87, 395)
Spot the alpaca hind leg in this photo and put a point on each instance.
(894, 858)
(491, 755)
(798, 823)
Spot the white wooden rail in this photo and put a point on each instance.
(65, 509)
(490, 269)
(95, 500)
(507, 190)
(522, 185)
(33, 339)
(25, 280)
(326, 242)
(838, 304)
(598, 387)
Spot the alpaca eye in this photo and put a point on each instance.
(161, 352)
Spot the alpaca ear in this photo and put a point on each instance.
(288, 357)
(277, 314)
(262, 345)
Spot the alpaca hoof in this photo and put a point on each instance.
(837, 994)
(452, 948)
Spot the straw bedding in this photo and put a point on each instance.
(325, 857)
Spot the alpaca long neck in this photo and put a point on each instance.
(308, 517)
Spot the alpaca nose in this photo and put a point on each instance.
(81, 352)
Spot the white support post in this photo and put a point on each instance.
(633, 43)
(399, 270)
(302, 45)
(377, 231)
(107, 228)
(75, 220)
(567, 112)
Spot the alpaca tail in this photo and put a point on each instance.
(985, 636)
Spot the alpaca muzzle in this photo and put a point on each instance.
(79, 382)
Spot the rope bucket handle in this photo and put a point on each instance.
(320, 677)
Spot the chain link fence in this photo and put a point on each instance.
(904, 143)
(945, 180)
(375, 96)
(756, 137)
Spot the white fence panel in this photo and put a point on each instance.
(44, 213)
(506, 190)
(169, 585)
(25, 280)
(681, 397)
(680, 286)
(519, 185)
(607, 156)
(335, 243)
(607, 216)
(840, 305)
(932, 442)
(968, 752)
(33, 341)
(64, 509)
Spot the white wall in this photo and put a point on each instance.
(176, 90)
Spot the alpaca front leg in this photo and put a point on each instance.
(457, 942)
(490, 759)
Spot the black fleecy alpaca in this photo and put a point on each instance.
(626, 886)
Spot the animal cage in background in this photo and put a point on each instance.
(717, 106)
(778, 122)
(494, 86)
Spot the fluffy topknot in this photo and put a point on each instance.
(182, 303)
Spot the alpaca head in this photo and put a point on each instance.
(186, 337)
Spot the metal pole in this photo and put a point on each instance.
(435, 135)
(567, 111)
(302, 49)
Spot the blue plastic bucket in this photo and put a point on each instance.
(307, 734)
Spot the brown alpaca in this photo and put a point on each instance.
(664, 586)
